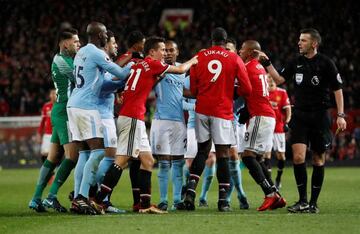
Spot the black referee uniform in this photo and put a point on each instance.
(314, 80)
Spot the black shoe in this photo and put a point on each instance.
(189, 201)
(244, 205)
(52, 202)
(314, 209)
(224, 206)
(203, 203)
(83, 206)
(178, 206)
(183, 191)
(163, 206)
(299, 207)
(37, 205)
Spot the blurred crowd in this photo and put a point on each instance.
(29, 29)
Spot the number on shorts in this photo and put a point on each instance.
(246, 137)
(264, 84)
(136, 79)
(216, 71)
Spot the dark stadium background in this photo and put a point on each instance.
(28, 32)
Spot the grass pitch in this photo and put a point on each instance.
(339, 205)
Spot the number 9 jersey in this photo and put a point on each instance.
(212, 81)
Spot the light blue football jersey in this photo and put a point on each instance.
(189, 105)
(90, 65)
(169, 97)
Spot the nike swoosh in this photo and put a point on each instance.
(298, 66)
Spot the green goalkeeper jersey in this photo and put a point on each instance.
(62, 75)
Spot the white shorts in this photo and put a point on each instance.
(240, 133)
(167, 137)
(110, 137)
(279, 143)
(84, 124)
(45, 144)
(132, 137)
(259, 134)
(220, 130)
(191, 145)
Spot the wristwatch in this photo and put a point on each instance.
(341, 115)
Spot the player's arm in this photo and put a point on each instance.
(242, 77)
(189, 106)
(265, 61)
(103, 61)
(288, 114)
(339, 99)
(111, 84)
(41, 127)
(182, 68)
(187, 93)
(335, 83)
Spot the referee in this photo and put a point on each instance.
(314, 76)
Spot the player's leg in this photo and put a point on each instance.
(209, 173)
(160, 146)
(255, 144)
(191, 150)
(320, 141)
(279, 147)
(236, 179)
(299, 140)
(84, 154)
(178, 133)
(134, 168)
(222, 131)
(66, 166)
(46, 171)
(202, 129)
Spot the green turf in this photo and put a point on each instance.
(339, 204)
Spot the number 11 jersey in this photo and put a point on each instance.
(143, 77)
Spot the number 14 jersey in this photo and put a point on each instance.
(143, 77)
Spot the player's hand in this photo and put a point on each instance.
(341, 123)
(194, 60)
(286, 127)
(262, 55)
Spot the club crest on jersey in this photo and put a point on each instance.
(338, 77)
(107, 59)
(315, 80)
(298, 78)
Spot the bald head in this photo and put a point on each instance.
(97, 33)
(95, 28)
(247, 50)
(252, 44)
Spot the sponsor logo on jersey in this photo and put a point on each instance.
(298, 78)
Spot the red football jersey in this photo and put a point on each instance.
(45, 124)
(135, 60)
(212, 81)
(258, 102)
(279, 101)
(143, 77)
